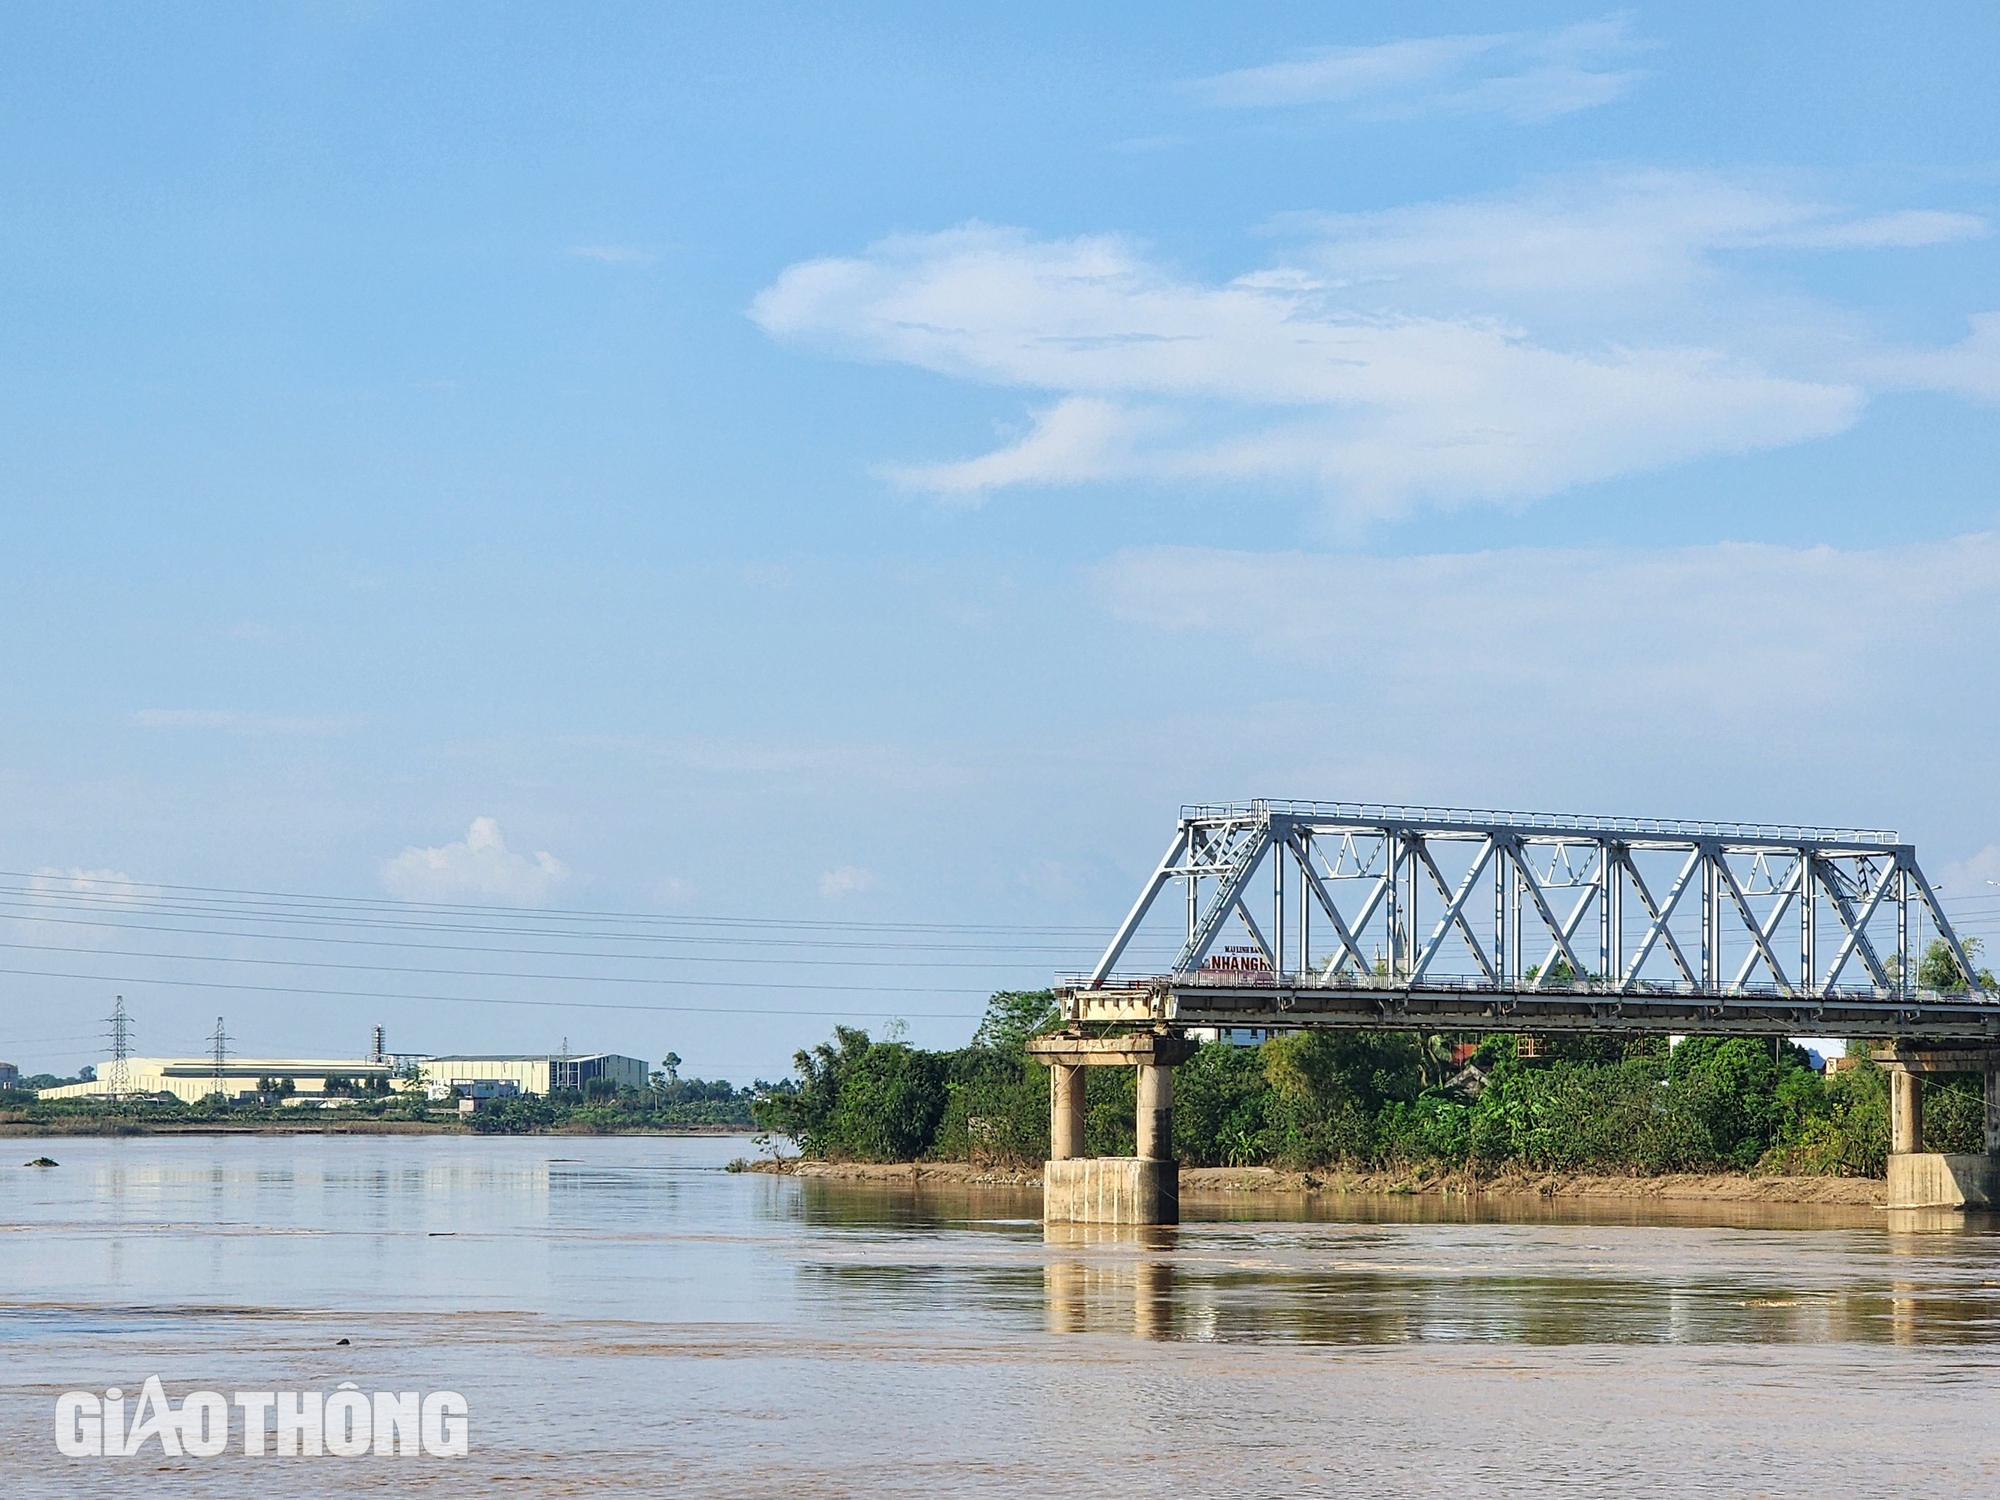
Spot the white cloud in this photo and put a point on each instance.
(62, 903)
(1655, 235)
(1714, 637)
(848, 880)
(671, 890)
(1080, 438)
(1487, 351)
(1525, 76)
(788, 764)
(1969, 368)
(229, 721)
(478, 867)
(1272, 378)
(613, 255)
(1973, 877)
(50, 883)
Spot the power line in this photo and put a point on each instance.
(28, 1041)
(122, 926)
(716, 1010)
(547, 914)
(34, 911)
(310, 963)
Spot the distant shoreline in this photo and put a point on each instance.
(1225, 1183)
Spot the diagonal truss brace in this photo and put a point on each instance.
(1761, 935)
(1121, 939)
(1454, 912)
(1857, 930)
(1658, 918)
(1349, 948)
(1244, 858)
(1561, 931)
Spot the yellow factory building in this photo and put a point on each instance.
(195, 1078)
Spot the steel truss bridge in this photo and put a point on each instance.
(1410, 918)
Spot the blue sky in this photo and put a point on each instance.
(870, 465)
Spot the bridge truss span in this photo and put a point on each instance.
(1325, 913)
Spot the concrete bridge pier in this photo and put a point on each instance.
(1142, 1189)
(1938, 1179)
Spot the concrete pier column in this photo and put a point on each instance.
(1156, 1112)
(1066, 1112)
(1906, 1111)
(1142, 1189)
(1993, 1107)
(1938, 1179)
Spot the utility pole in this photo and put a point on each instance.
(119, 1082)
(220, 1038)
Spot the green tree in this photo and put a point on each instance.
(804, 1115)
(1939, 969)
(860, 1099)
(997, 1104)
(1955, 1112)
(1847, 1136)
(1326, 1088)
(1219, 1107)
(891, 1103)
(1014, 1017)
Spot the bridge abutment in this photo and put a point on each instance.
(1141, 1189)
(1939, 1179)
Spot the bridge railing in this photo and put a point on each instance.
(1376, 814)
(1479, 985)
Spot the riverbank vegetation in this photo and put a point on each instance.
(1365, 1100)
(670, 1104)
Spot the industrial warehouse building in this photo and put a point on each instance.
(535, 1074)
(195, 1078)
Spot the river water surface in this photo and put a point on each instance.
(625, 1317)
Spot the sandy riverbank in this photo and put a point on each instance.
(1221, 1182)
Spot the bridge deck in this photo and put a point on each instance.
(1475, 1006)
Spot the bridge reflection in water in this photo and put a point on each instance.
(1920, 1284)
(1131, 1286)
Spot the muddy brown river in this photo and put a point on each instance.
(625, 1317)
